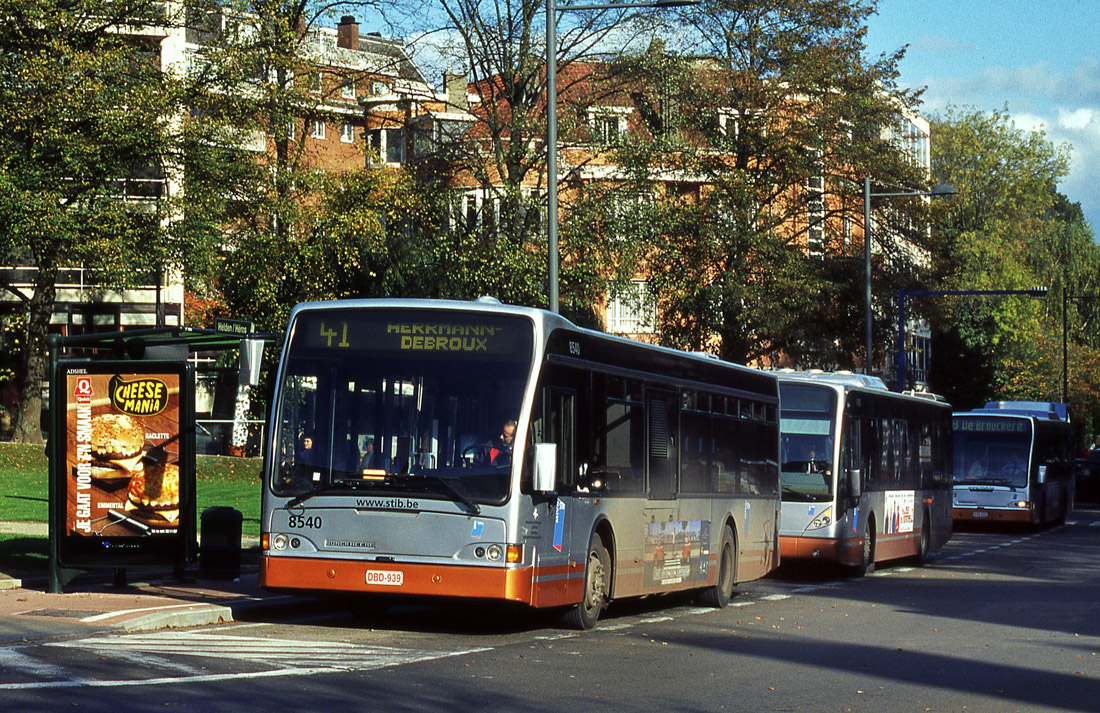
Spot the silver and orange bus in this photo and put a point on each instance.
(471, 449)
(1014, 463)
(865, 471)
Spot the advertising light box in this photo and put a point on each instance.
(124, 479)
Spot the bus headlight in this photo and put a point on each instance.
(823, 520)
(1024, 504)
(494, 553)
(279, 542)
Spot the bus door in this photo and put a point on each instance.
(549, 524)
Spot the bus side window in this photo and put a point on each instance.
(618, 458)
(624, 435)
(695, 446)
(870, 444)
(728, 465)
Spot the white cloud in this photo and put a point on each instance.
(1076, 119)
(1064, 106)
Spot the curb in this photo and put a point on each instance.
(188, 615)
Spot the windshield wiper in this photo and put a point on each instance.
(346, 483)
(458, 494)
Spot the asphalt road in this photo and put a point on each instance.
(999, 621)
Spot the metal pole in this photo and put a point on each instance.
(867, 273)
(1065, 348)
(901, 340)
(552, 150)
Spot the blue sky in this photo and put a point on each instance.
(1041, 57)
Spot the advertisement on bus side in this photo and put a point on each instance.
(899, 511)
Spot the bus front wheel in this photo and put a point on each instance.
(597, 586)
(719, 595)
(867, 561)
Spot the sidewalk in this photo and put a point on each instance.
(152, 600)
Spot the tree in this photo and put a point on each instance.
(84, 106)
(1010, 228)
(770, 127)
(496, 244)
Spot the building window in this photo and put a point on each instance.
(815, 211)
(347, 90)
(608, 126)
(315, 82)
(634, 311)
(913, 143)
(386, 145)
(732, 123)
(815, 216)
(317, 129)
(379, 88)
(347, 134)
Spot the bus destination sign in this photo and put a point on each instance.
(991, 425)
(442, 334)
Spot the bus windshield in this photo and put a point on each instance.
(992, 451)
(807, 425)
(401, 403)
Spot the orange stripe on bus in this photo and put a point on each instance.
(540, 587)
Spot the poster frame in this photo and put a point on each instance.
(163, 549)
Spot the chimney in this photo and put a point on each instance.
(347, 33)
(456, 91)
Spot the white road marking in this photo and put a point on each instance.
(15, 660)
(286, 657)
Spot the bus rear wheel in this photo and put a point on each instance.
(925, 545)
(597, 587)
(719, 595)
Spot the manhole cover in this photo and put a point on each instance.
(63, 613)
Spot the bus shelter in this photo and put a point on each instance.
(122, 444)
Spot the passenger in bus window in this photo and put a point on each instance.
(306, 453)
(369, 459)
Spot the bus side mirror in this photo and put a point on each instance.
(855, 487)
(546, 465)
(1042, 474)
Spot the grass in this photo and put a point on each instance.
(24, 496)
(21, 553)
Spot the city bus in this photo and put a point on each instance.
(864, 471)
(1014, 463)
(475, 450)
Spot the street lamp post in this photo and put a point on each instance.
(940, 191)
(1066, 299)
(552, 10)
(903, 293)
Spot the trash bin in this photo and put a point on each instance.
(220, 543)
